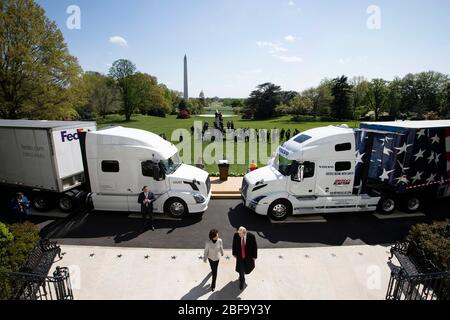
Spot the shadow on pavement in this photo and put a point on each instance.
(118, 225)
(230, 291)
(198, 291)
(339, 228)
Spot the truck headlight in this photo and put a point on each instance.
(199, 198)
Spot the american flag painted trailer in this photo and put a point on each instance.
(405, 162)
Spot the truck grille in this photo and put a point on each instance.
(208, 185)
(244, 188)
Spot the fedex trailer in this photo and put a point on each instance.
(43, 159)
(70, 162)
(384, 165)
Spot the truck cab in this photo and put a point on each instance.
(120, 161)
(313, 172)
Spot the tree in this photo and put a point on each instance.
(360, 88)
(299, 105)
(377, 96)
(340, 107)
(122, 71)
(97, 94)
(263, 101)
(321, 98)
(36, 69)
(394, 96)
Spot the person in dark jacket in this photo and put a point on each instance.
(146, 199)
(21, 206)
(245, 250)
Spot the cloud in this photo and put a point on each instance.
(289, 38)
(343, 61)
(118, 41)
(290, 59)
(274, 47)
(291, 3)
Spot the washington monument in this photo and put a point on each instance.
(186, 93)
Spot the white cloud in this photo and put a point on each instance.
(274, 47)
(291, 3)
(290, 59)
(343, 61)
(118, 41)
(289, 38)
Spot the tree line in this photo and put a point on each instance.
(40, 79)
(424, 95)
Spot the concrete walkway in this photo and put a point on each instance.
(346, 272)
(229, 189)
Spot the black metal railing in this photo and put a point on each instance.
(29, 286)
(417, 277)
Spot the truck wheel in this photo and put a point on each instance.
(386, 205)
(412, 204)
(279, 210)
(41, 203)
(176, 207)
(66, 204)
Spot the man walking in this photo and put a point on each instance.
(245, 250)
(146, 199)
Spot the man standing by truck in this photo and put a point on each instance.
(21, 206)
(146, 200)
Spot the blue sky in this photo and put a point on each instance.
(233, 45)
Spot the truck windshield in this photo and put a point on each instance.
(284, 165)
(171, 165)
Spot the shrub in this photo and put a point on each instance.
(6, 237)
(16, 243)
(183, 114)
(434, 240)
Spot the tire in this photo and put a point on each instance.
(387, 205)
(176, 207)
(279, 210)
(66, 204)
(411, 204)
(41, 203)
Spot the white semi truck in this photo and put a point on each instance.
(70, 162)
(382, 165)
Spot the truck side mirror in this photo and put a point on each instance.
(300, 173)
(157, 174)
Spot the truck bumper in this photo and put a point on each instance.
(256, 207)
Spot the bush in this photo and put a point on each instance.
(183, 114)
(305, 118)
(434, 240)
(16, 243)
(26, 236)
(6, 237)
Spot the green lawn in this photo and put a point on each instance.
(167, 125)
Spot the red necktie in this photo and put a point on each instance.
(243, 248)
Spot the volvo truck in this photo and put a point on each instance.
(381, 165)
(71, 163)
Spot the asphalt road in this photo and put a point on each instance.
(121, 229)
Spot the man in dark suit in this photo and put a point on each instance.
(146, 199)
(245, 250)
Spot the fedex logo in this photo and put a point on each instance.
(70, 136)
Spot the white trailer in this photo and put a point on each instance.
(43, 158)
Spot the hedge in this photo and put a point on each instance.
(16, 243)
